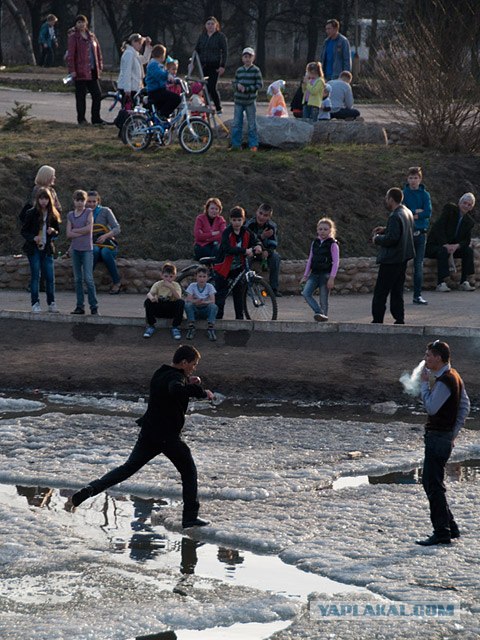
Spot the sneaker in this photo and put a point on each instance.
(82, 495)
(78, 311)
(52, 308)
(419, 300)
(319, 317)
(211, 334)
(466, 286)
(442, 287)
(149, 331)
(190, 333)
(94, 311)
(176, 333)
(36, 308)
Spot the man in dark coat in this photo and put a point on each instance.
(450, 238)
(161, 425)
(396, 248)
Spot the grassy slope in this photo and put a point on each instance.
(157, 193)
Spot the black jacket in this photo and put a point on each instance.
(31, 228)
(396, 244)
(212, 50)
(443, 231)
(168, 402)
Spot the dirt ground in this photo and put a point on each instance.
(106, 359)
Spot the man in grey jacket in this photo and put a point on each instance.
(396, 248)
(342, 98)
(335, 55)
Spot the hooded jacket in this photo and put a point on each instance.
(418, 199)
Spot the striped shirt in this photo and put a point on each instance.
(251, 79)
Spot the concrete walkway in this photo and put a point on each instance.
(448, 314)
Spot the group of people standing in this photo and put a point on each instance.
(92, 230)
(407, 236)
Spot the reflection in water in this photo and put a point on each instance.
(164, 635)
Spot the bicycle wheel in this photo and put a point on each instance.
(259, 301)
(187, 276)
(135, 132)
(110, 107)
(196, 136)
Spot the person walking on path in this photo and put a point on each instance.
(85, 64)
(161, 425)
(396, 248)
(447, 405)
(335, 55)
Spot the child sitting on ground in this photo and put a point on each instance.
(237, 242)
(321, 268)
(200, 304)
(156, 82)
(164, 300)
(277, 106)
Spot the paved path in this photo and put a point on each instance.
(457, 311)
(60, 107)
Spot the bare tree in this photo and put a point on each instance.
(25, 38)
(434, 89)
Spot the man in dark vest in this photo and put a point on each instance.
(447, 405)
(396, 248)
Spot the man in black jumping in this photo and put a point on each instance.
(161, 425)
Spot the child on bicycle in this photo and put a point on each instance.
(164, 300)
(200, 304)
(321, 268)
(237, 242)
(156, 80)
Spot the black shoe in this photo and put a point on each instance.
(433, 539)
(277, 293)
(94, 311)
(454, 531)
(78, 311)
(82, 495)
(194, 522)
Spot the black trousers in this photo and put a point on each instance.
(164, 309)
(438, 447)
(165, 101)
(465, 253)
(93, 88)
(221, 285)
(390, 280)
(210, 70)
(147, 448)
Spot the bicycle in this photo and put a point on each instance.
(259, 300)
(141, 127)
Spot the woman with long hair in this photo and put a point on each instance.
(212, 49)
(40, 228)
(130, 78)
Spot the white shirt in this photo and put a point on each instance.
(132, 73)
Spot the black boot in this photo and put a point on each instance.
(82, 495)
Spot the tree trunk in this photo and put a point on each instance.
(25, 38)
(261, 33)
(312, 30)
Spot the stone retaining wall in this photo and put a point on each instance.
(356, 275)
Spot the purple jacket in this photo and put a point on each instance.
(78, 55)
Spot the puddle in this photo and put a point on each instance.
(129, 527)
(465, 471)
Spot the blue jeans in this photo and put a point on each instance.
(419, 243)
(273, 263)
(206, 251)
(204, 312)
(82, 262)
(107, 256)
(40, 263)
(237, 129)
(317, 281)
(310, 113)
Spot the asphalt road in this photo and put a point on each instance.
(60, 107)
